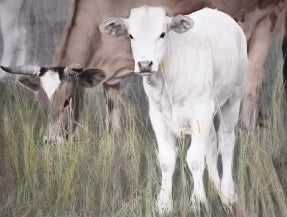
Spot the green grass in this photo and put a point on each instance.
(95, 175)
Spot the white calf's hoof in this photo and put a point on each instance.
(164, 203)
(195, 203)
(199, 194)
(228, 193)
(199, 203)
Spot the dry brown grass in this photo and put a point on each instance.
(93, 175)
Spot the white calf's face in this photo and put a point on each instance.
(148, 29)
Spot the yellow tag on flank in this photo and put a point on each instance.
(198, 126)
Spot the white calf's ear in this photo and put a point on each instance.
(114, 26)
(181, 24)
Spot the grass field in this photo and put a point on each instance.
(94, 175)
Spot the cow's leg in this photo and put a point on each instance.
(22, 48)
(228, 115)
(10, 40)
(113, 111)
(167, 152)
(211, 153)
(284, 50)
(10, 30)
(258, 50)
(201, 124)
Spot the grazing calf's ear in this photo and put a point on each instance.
(31, 82)
(91, 77)
(114, 26)
(181, 24)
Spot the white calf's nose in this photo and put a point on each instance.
(145, 66)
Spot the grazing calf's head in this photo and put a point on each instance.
(148, 29)
(59, 91)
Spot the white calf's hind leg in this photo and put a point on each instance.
(201, 124)
(211, 156)
(196, 164)
(167, 153)
(229, 114)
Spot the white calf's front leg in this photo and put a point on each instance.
(226, 137)
(201, 124)
(167, 153)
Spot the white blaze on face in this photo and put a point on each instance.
(50, 83)
(147, 27)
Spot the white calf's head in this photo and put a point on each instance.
(148, 29)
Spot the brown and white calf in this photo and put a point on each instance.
(59, 92)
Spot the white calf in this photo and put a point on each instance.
(204, 75)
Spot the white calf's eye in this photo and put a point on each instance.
(131, 37)
(162, 35)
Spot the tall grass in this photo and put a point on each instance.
(94, 174)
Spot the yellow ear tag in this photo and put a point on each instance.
(70, 105)
(162, 66)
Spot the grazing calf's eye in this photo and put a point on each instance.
(68, 102)
(131, 37)
(162, 35)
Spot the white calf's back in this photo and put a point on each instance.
(212, 54)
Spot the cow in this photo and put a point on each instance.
(204, 57)
(59, 92)
(13, 33)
